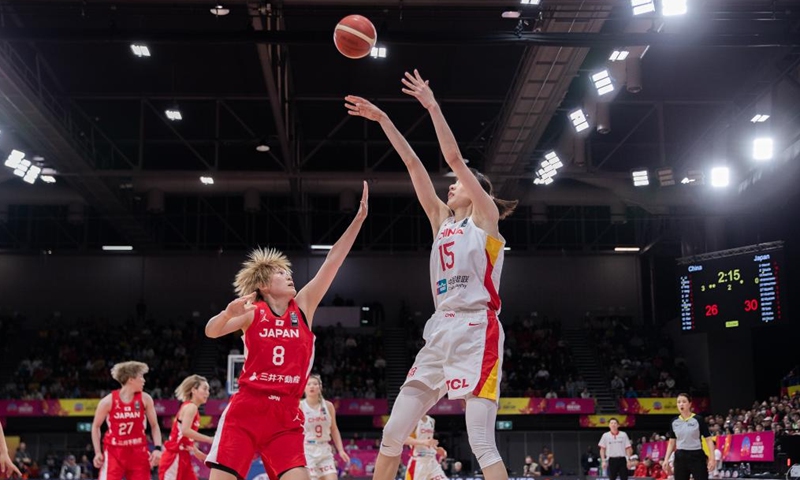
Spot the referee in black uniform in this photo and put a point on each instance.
(686, 436)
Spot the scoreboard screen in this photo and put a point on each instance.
(719, 291)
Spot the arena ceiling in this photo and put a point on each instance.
(74, 95)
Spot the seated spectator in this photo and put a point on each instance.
(530, 468)
(70, 470)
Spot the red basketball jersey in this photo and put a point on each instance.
(279, 352)
(126, 422)
(176, 440)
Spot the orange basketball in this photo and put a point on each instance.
(354, 36)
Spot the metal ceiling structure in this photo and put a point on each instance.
(72, 94)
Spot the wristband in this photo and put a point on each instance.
(157, 448)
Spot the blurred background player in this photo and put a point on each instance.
(264, 416)
(176, 462)
(320, 427)
(126, 412)
(423, 464)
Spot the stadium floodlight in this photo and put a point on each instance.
(641, 7)
(671, 8)
(14, 158)
(759, 118)
(602, 82)
(207, 180)
(666, 176)
(321, 247)
(117, 248)
(619, 55)
(626, 249)
(548, 168)
(173, 114)
(720, 177)
(579, 121)
(530, 2)
(640, 178)
(762, 149)
(140, 50)
(378, 52)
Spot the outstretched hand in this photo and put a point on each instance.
(419, 89)
(241, 305)
(361, 107)
(363, 206)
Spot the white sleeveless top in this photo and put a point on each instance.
(424, 431)
(465, 267)
(318, 423)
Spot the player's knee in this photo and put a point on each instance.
(392, 441)
(484, 448)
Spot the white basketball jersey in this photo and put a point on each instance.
(318, 423)
(465, 267)
(424, 431)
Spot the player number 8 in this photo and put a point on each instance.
(278, 355)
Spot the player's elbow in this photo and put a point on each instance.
(212, 331)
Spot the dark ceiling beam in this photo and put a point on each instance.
(442, 37)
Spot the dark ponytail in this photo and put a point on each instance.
(506, 207)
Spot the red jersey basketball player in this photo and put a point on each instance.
(126, 412)
(264, 416)
(176, 463)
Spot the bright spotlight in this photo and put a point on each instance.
(619, 55)
(759, 118)
(579, 120)
(673, 7)
(173, 114)
(378, 52)
(530, 2)
(762, 148)
(641, 7)
(207, 180)
(140, 50)
(602, 82)
(14, 158)
(720, 176)
(640, 178)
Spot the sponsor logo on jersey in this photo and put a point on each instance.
(279, 322)
(457, 282)
(263, 317)
(412, 372)
(449, 314)
(456, 383)
(293, 317)
(441, 286)
(275, 398)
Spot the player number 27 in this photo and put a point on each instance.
(125, 428)
(446, 255)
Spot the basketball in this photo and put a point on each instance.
(354, 36)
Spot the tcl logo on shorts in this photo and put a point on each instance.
(456, 383)
(412, 372)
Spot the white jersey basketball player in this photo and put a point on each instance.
(463, 351)
(320, 427)
(425, 450)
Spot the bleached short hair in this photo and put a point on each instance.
(124, 371)
(261, 264)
